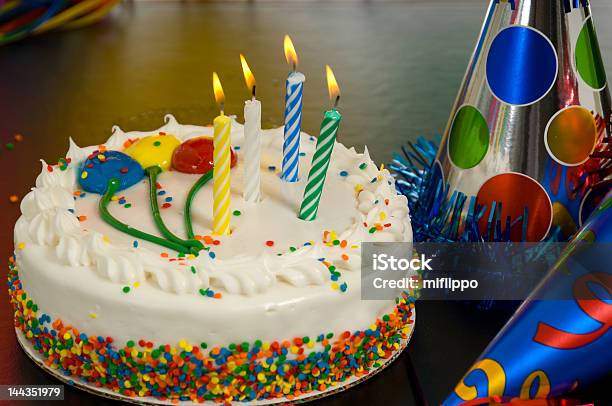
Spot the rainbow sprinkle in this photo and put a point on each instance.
(240, 372)
(162, 193)
(120, 200)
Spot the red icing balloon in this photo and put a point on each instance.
(196, 156)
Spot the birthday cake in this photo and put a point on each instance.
(123, 287)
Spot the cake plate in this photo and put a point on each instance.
(314, 395)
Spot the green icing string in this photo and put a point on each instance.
(192, 245)
(113, 186)
(194, 190)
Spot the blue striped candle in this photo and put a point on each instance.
(293, 122)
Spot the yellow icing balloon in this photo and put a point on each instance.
(154, 150)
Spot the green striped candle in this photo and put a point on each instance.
(319, 165)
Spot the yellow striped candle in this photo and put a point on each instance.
(222, 163)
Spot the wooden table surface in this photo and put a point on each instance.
(399, 66)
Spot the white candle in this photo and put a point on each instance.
(252, 150)
(252, 143)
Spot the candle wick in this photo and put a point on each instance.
(336, 101)
(294, 65)
(253, 91)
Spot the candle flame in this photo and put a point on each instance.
(249, 78)
(332, 85)
(290, 54)
(219, 95)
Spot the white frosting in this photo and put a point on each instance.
(98, 307)
(76, 270)
(56, 178)
(48, 211)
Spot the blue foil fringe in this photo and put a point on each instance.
(439, 214)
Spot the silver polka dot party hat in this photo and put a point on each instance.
(526, 152)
